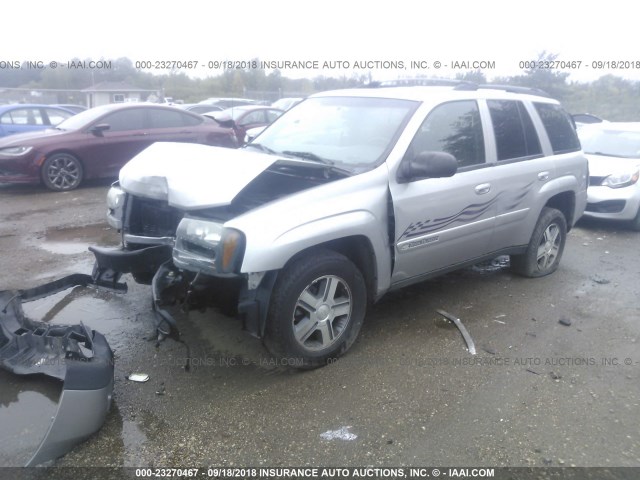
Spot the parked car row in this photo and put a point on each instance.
(59, 147)
(20, 118)
(98, 142)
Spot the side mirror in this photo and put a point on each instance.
(98, 130)
(252, 133)
(427, 165)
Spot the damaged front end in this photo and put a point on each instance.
(79, 357)
(174, 228)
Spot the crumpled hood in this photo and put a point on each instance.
(602, 165)
(192, 176)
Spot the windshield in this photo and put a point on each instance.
(351, 132)
(614, 143)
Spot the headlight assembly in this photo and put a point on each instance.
(115, 206)
(208, 246)
(619, 180)
(15, 151)
(202, 234)
(231, 251)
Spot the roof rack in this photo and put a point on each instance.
(416, 82)
(506, 88)
(463, 85)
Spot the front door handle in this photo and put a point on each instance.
(483, 188)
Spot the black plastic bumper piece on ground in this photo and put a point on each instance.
(80, 357)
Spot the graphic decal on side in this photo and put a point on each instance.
(513, 198)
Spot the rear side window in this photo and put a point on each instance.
(23, 116)
(454, 128)
(559, 128)
(515, 134)
(170, 119)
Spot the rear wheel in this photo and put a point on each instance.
(62, 172)
(545, 248)
(317, 308)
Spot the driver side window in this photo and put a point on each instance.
(455, 128)
(126, 120)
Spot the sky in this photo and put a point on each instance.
(386, 37)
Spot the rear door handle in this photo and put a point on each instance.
(543, 176)
(483, 188)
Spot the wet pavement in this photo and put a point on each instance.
(539, 392)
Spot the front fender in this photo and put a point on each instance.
(273, 255)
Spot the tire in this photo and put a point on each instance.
(62, 172)
(545, 248)
(635, 223)
(316, 310)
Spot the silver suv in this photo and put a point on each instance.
(347, 196)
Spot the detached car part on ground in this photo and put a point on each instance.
(346, 196)
(79, 357)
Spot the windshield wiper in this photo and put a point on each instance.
(330, 164)
(259, 146)
(309, 156)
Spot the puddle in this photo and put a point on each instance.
(81, 265)
(75, 240)
(97, 309)
(27, 405)
(133, 437)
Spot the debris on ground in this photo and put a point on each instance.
(599, 280)
(465, 334)
(341, 434)
(565, 321)
(74, 354)
(138, 377)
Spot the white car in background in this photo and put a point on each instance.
(613, 151)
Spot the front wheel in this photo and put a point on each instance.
(316, 310)
(635, 223)
(62, 172)
(545, 248)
